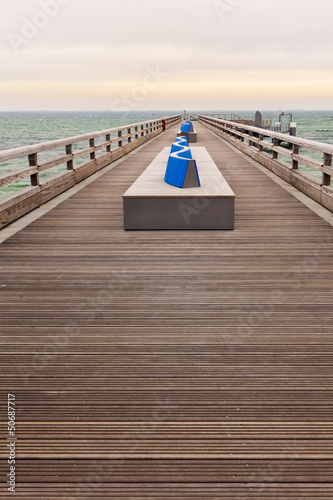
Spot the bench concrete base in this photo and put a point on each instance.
(191, 137)
(151, 204)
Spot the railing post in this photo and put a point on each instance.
(92, 145)
(108, 147)
(250, 140)
(295, 152)
(120, 142)
(129, 138)
(69, 151)
(261, 147)
(33, 162)
(327, 163)
(275, 144)
(136, 135)
(142, 131)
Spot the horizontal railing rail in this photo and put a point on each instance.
(297, 167)
(224, 116)
(82, 156)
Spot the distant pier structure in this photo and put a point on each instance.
(284, 124)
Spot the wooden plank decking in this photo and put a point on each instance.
(170, 364)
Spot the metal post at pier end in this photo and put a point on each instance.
(290, 116)
(33, 162)
(69, 151)
(293, 129)
(327, 163)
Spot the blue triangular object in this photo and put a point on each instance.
(178, 164)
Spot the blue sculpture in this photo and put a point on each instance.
(186, 127)
(187, 130)
(181, 170)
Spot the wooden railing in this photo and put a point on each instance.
(251, 140)
(224, 116)
(83, 155)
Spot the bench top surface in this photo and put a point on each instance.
(151, 183)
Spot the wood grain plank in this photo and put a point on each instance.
(170, 364)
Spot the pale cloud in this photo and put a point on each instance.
(84, 54)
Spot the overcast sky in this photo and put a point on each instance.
(166, 54)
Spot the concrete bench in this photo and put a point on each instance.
(187, 130)
(150, 203)
(191, 137)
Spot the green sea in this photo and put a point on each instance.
(25, 128)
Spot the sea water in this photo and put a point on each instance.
(25, 128)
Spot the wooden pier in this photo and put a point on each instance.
(170, 364)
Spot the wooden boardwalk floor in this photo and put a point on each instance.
(167, 365)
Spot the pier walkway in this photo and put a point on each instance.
(159, 365)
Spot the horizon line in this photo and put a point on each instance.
(156, 110)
